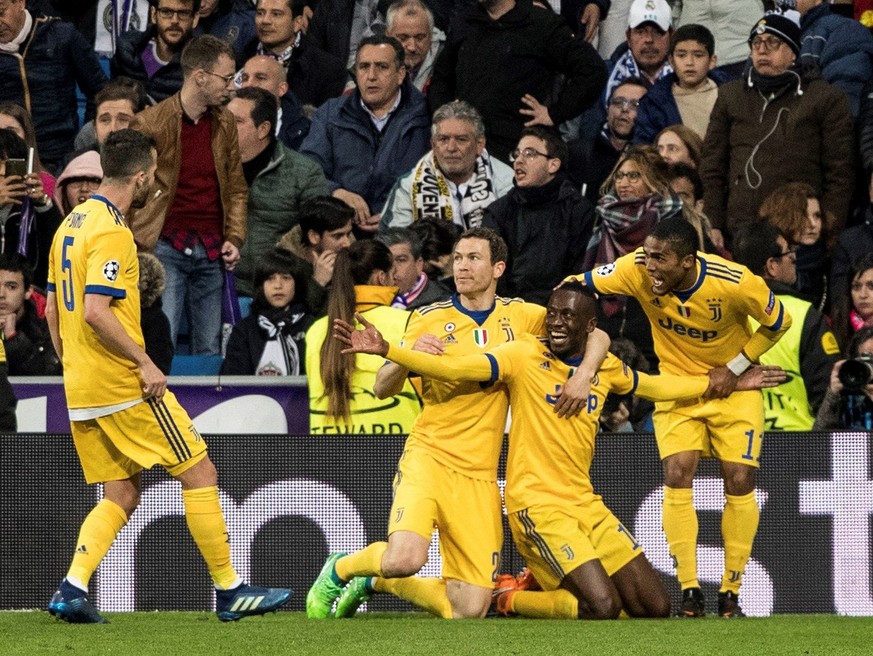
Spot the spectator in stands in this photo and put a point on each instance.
(267, 73)
(772, 126)
(341, 388)
(196, 221)
(78, 181)
(504, 58)
(28, 217)
(415, 288)
(853, 310)
(42, 60)
(645, 54)
(115, 104)
(153, 56)
(678, 143)
(337, 26)
(687, 95)
(26, 338)
(155, 324)
(795, 209)
(634, 199)
(837, 46)
(852, 244)
(591, 161)
(324, 229)
(229, 20)
(544, 221)
(411, 23)
(437, 243)
(844, 408)
(312, 74)
(271, 340)
(730, 23)
(808, 351)
(453, 182)
(14, 117)
(279, 180)
(365, 141)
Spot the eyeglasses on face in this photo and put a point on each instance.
(226, 78)
(790, 254)
(527, 153)
(182, 14)
(633, 176)
(624, 103)
(767, 45)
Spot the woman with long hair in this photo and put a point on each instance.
(16, 118)
(796, 210)
(341, 398)
(853, 310)
(678, 143)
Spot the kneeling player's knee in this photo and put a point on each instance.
(470, 605)
(398, 563)
(605, 606)
(659, 606)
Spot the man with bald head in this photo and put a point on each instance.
(267, 73)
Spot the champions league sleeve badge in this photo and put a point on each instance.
(110, 270)
(604, 270)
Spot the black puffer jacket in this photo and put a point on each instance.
(127, 61)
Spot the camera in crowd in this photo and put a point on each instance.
(857, 373)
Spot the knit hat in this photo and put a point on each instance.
(785, 26)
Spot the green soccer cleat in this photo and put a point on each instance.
(355, 593)
(322, 594)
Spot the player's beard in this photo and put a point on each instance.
(140, 195)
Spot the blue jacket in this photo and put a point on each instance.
(355, 157)
(43, 76)
(841, 48)
(658, 108)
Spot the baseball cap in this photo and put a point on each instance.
(650, 11)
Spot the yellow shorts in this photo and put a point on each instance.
(556, 539)
(730, 429)
(466, 511)
(117, 446)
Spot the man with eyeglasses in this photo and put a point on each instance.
(776, 124)
(808, 350)
(153, 57)
(196, 220)
(544, 221)
(455, 181)
(592, 160)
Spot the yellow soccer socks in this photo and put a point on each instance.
(209, 530)
(739, 524)
(555, 605)
(679, 519)
(366, 562)
(96, 535)
(426, 593)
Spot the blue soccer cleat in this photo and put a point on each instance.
(244, 600)
(71, 604)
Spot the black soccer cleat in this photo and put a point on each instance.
(71, 604)
(693, 604)
(729, 605)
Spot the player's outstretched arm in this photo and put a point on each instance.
(667, 387)
(574, 394)
(470, 367)
(109, 330)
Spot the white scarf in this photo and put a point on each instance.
(627, 67)
(281, 356)
(13, 45)
(432, 198)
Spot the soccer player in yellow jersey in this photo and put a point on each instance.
(587, 563)
(699, 306)
(447, 476)
(123, 418)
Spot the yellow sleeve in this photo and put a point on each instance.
(765, 308)
(477, 367)
(619, 277)
(667, 387)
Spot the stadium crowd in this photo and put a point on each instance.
(318, 158)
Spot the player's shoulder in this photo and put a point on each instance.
(517, 306)
(723, 270)
(434, 308)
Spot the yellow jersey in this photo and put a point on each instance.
(462, 423)
(549, 456)
(93, 253)
(706, 325)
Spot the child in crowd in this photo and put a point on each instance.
(270, 341)
(686, 96)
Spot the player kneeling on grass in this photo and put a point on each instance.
(588, 565)
(123, 419)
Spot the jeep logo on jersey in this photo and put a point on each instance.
(480, 336)
(682, 329)
(605, 270)
(110, 270)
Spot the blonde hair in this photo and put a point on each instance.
(652, 167)
(785, 208)
(687, 136)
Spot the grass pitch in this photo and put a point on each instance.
(390, 634)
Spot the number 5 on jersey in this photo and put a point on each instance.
(67, 283)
